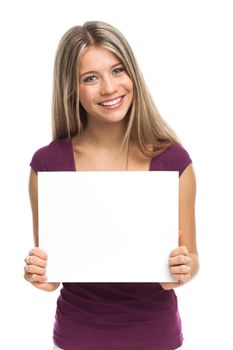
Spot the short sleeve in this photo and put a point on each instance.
(175, 158)
(180, 158)
(39, 159)
(57, 156)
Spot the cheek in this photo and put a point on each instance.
(83, 96)
(130, 89)
(128, 84)
(88, 96)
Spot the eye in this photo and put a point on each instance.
(90, 79)
(118, 70)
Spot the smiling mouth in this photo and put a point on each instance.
(111, 103)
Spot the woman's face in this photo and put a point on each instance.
(105, 89)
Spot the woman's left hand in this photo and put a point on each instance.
(179, 266)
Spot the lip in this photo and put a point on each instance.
(115, 106)
(111, 99)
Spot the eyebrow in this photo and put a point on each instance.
(93, 71)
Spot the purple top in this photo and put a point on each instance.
(114, 316)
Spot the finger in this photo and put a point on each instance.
(33, 269)
(182, 277)
(34, 260)
(180, 270)
(35, 278)
(182, 250)
(39, 278)
(39, 253)
(179, 260)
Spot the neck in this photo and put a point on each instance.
(105, 136)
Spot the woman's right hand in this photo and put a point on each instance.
(35, 270)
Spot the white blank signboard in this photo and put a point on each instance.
(108, 226)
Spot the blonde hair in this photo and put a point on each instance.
(145, 126)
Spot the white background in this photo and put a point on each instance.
(184, 49)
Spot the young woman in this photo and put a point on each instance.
(104, 119)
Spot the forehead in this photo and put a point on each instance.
(97, 57)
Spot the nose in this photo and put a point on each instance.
(108, 86)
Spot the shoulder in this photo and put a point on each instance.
(51, 157)
(175, 158)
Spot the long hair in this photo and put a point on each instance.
(145, 126)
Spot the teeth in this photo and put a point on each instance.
(111, 103)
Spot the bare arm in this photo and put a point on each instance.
(183, 261)
(33, 195)
(36, 261)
